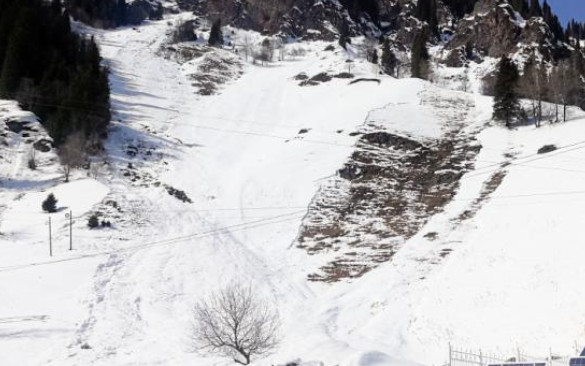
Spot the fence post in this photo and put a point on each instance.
(480, 358)
(518, 359)
(450, 355)
(550, 356)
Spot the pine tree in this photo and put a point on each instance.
(547, 12)
(426, 11)
(419, 67)
(344, 35)
(535, 9)
(215, 35)
(388, 60)
(93, 221)
(375, 57)
(506, 104)
(50, 204)
(534, 85)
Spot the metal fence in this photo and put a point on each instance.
(470, 357)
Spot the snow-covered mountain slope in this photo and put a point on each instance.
(497, 267)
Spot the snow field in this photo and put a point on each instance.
(511, 279)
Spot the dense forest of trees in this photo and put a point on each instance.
(560, 83)
(112, 13)
(575, 30)
(426, 11)
(532, 8)
(356, 7)
(52, 71)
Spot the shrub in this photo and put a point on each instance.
(215, 35)
(50, 204)
(32, 164)
(93, 221)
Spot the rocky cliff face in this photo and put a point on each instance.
(297, 18)
(494, 29)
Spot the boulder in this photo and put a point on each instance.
(547, 149)
(43, 145)
(15, 126)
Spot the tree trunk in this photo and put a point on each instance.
(539, 117)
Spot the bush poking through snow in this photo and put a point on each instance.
(216, 35)
(178, 194)
(32, 161)
(50, 204)
(93, 221)
(32, 164)
(72, 154)
(234, 323)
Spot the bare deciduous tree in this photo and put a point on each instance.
(95, 170)
(465, 78)
(32, 161)
(233, 323)
(533, 85)
(297, 52)
(247, 46)
(279, 46)
(369, 47)
(266, 52)
(72, 154)
(564, 81)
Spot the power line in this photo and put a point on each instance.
(92, 112)
(258, 134)
(265, 208)
(212, 128)
(165, 242)
(531, 157)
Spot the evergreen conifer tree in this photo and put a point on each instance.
(93, 221)
(215, 35)
(426, 11)
(388, 60)
(50, 204)
(506, 104)
(535, 9)
(419, 67)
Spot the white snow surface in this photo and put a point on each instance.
(124, 296)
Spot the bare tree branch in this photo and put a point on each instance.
(72, 154)
(233, 323)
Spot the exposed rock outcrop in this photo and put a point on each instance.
(494, 29)
(386, 192)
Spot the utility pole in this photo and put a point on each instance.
(70, 216)
(50, 239)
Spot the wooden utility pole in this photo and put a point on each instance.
(70, 215)
(50, 239)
